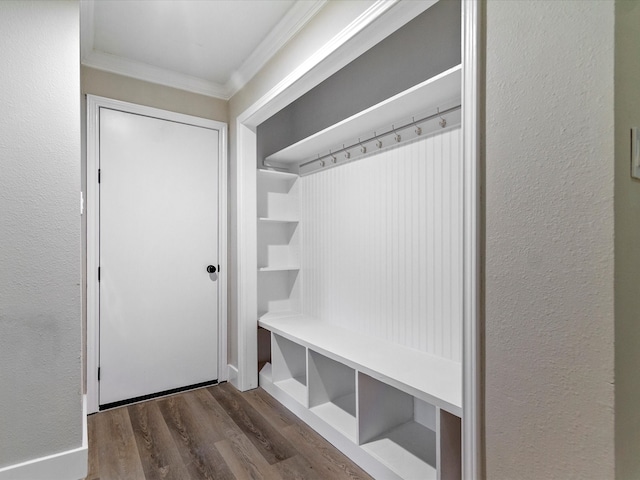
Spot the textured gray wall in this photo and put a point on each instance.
(549, 240)
(426, 46)
(40, 337)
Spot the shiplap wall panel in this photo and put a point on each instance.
(381, 250)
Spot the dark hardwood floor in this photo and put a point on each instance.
(211, 433)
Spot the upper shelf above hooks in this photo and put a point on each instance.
(440, 92)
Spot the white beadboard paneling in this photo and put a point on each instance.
(382, 247)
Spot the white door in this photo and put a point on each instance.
(158, 309)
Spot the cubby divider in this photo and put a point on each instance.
(332, 393)
(289, 368)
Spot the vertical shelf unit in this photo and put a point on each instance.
(278, 242)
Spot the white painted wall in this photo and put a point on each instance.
(381, 245)
(40, 336)
(627, 235)
(549, 240)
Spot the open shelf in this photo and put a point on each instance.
(440, 91)
(397, 429)
(279, 268)
(277, 220)
(276, 175)
(332, 393)
(289, 368)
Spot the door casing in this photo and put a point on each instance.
(94, 104)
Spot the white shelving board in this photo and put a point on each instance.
(276, 175)
(279, 268)
(435, 380)
(336, 414)
(295, 387)
(393, 449)
(277, 220)
(437, 92)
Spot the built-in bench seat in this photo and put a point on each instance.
(394, 410)
(433, 379)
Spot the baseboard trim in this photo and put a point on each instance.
(68, 465)
(233, 377)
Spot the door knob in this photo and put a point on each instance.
(211, 269)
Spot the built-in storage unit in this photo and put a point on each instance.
(332, 393)
(360, 276)
(278, 242)
(380, 402)
(397, 428)
(289, 372)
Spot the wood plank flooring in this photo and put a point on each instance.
(211, 433)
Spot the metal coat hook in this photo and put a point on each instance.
(321, 162)
(363, 149)
(443, 121)
(396, 136)
(378, 142)
(418, 130)
(347, 154)
(333, 158)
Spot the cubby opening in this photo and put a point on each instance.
(289, 367)
(278, 291)
(264, 350)
(279, 245)
(332, 393)
(277, 196)
(397, 428)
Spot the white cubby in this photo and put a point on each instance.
(277, 196)
(289, 368)
(332, 393)
(397, 428)
(279, 245)
(278, 291)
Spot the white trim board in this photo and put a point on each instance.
(94, 103)
(293, 21)
(471, 316)
(68, 465)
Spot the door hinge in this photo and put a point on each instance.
(98, 273)
(98, 373)
(98, 175)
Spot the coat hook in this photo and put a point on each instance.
(418, 130)
(396, 134)
(346, 152)
(378, 142)
(363, 149)
(443, 122)
(333, 158)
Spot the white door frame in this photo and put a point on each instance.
(94, 103)
(347, 45)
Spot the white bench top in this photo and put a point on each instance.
(433, 379)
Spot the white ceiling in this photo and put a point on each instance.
(212, 47)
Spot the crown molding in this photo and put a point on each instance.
(153, 74)
(293, 21)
